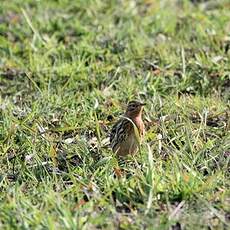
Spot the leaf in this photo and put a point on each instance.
(118, 172)
(53, 155)
(186, 177)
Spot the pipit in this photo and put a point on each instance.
(127, 133)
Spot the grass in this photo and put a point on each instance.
(68, 68)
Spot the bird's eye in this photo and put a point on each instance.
(133, 106)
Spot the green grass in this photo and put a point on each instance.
(68, 68)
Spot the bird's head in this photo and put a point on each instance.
(134, 109)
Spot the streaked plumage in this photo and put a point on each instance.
(123, 138)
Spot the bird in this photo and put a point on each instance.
(128, 131)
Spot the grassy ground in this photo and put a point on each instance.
(67, 69)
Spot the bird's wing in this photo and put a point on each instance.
(120, 132)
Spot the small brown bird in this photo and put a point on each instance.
(127, 133)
